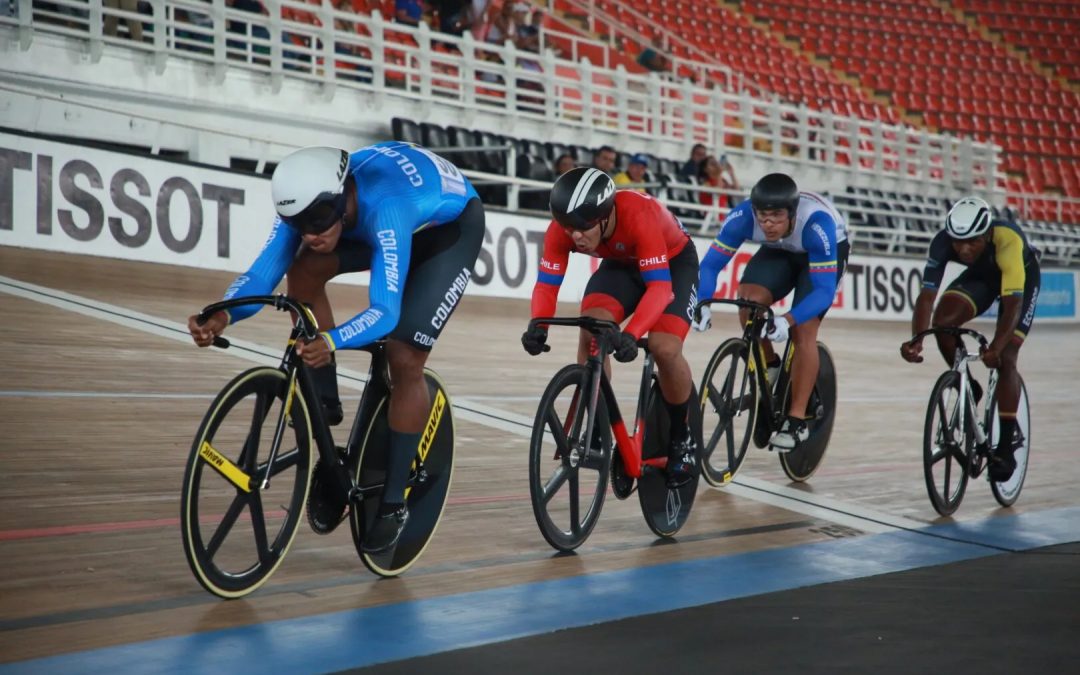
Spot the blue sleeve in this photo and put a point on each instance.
(819, 240)
(737, 228)
(267, 270)
(392, 228)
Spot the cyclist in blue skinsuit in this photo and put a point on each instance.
(803, 247)
(417, 223)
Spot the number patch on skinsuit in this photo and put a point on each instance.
(453, 183)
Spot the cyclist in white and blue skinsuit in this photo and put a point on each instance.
(417, 223)
(803, 247)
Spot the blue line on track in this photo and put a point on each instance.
(355, 638)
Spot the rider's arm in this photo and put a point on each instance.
(1009, 256)
(267, 270)
(391, 252)
(924, 310)
(552, 271)
(737, 228)
(819, 240)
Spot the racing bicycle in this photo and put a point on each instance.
(264, 450)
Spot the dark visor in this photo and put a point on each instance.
(320, 216)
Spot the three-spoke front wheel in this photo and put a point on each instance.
(568, 472)
(729, 409)
(948, 442)
(243, 494)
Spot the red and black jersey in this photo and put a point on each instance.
(646, 234)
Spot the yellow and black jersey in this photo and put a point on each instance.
(1008, 256)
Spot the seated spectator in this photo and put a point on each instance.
(409, 12)
(693, 165)
(636, 172)
(650, 59)
(455, 16)
(717, 173)
(134, 26)
(604, 159)
(248, 31)
(564, 163)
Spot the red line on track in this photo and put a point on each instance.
(92, 528)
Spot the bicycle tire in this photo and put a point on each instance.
(426, 501)
(665, 510)
(1007, 492)
(555, 445)
(946, 444)
(720, 412)
(802, 462)
(235, 448)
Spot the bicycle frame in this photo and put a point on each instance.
(629, 445)
(306, 328)
(759, 316)
(960, 365)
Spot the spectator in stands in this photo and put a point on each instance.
(604, 159)
(717, 173)
(455, 16)
(349, 69)
(651, 59)
(134, 26)
(409, 12)
(692, 167)
(564, 163)
(249, 31)
(636, 172)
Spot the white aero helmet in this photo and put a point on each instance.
(308, 188)
(969, 218)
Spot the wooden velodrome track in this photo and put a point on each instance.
(102, 392)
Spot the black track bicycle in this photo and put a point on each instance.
(570, 452)
(957, 440)
(739, 402)
(264, 450)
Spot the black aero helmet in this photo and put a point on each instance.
(775, 191)
(582, 197)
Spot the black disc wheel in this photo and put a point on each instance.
(428, 486)
(801, 463)
(948, 443)
(665, 509)
(729, 410)
(243, 494)
(568, 472)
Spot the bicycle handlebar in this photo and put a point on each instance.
(957, 332)
(309, 327)
(603, 329)
(738, 302)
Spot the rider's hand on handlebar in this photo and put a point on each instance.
(534, 340)
(991, 356)
(316, 353)
(776, 330)
(911, 351)
(204, 334)
(704, 320)
(625, 347)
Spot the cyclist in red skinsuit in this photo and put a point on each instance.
(648, 269)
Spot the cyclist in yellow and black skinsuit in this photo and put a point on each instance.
(1000, 263)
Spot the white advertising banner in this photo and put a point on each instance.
(77, 199)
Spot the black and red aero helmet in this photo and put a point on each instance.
(582, 197)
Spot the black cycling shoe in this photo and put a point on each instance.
(1002, 461)
(385, 531)
(976, 391)
(327, 507)
(682, 463)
